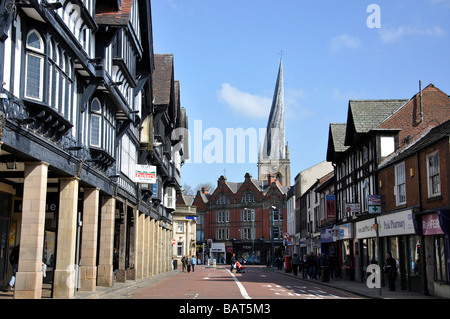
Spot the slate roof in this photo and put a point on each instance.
(336, 139)
(109, 15)
(364, 115)
(162, 78)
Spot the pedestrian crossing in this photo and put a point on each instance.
(302, 291)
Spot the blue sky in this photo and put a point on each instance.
(227, 55)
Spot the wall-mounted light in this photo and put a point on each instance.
(11, 164)
(411, 172)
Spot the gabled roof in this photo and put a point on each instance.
(336, 139)
(364, 115)
(107, 13)
(163, 79)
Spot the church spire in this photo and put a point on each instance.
(274, 144)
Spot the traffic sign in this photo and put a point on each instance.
(174, 241)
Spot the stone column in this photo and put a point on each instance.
(121, 274)
(64, 274)
(106, 250)
(139, 245)
(29, 275)
(88, 261)
(152, 255)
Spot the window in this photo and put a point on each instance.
(128, 157)
(400, 184)
(223, 233)
(180, 249)
(441, 265)
(223, 200)
(34, 71)
(434, 185)
(96, 120)
(248, 215)
(277, 215)
(247, 233)
(223, 217)
(387, 144)
(248, 198)
(180, 227)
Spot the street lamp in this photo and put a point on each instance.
(273, 236)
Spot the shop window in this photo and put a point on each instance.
(180, 249)
(441, 271)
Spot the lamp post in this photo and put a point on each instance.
(273, 236)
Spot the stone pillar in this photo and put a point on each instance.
(131, 226)
(29, 275)
(121, 274)
(88, 261)
(64, 274)
(139, 245)
(106, 250)
(153, 250)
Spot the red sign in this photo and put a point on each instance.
(174, 241)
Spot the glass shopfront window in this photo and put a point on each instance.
(441, 271)
(415, 266)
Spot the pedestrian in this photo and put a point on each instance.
(295, 262)
(188, 264)
(304, 266)
(333, 266)
(183, 263)
(390, 268)
(279, 263)
(312, 266)
(193, 263)
(14, 261)
(115, 262)
(233, 262)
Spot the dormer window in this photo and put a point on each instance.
(248, 198)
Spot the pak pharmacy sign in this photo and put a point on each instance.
(145, 174)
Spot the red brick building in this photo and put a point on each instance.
(246, 218)
(417, 179)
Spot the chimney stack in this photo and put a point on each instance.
(205, 190)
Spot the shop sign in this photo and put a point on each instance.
(343, 232)
(366, 229)
(145, 174)
(352, 208)
(326, 235)
(396, 224)
(431, 225)
(302, 242)
(331, 208)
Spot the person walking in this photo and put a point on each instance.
(193, 263)
(115, 262)
(233, 262)
(390, 268)
(295, 262)
(304, 266)
(183, 263)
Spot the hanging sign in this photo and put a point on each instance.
(145, 174)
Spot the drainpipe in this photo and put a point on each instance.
(423, 264)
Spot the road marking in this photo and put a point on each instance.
(240, 286)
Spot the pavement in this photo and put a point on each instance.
(354, 287)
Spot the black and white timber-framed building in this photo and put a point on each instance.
(77, 114)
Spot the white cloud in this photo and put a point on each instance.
(396, 34)
(344, 41)
(247, 104)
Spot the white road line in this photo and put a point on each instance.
(241, 287)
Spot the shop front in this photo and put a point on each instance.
(343, 235)
(433, 226)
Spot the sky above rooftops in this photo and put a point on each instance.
(227, 53)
